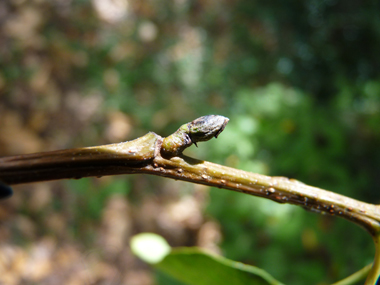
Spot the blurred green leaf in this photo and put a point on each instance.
(194, 266)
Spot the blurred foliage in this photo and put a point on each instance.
(299, 81)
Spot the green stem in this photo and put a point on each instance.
(374, 274)
(356, 277)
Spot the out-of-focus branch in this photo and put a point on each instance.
(356, 277)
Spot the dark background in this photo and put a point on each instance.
(299, 81)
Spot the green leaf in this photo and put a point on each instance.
(194, 266)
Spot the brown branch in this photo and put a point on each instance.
(152, 154)
(120, 158)
(142, 156)
(278, 189)
(145, 155)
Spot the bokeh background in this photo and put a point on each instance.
(299, 81)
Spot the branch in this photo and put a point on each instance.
(152, 154)
(120, 158)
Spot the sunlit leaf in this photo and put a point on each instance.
(150, 247)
